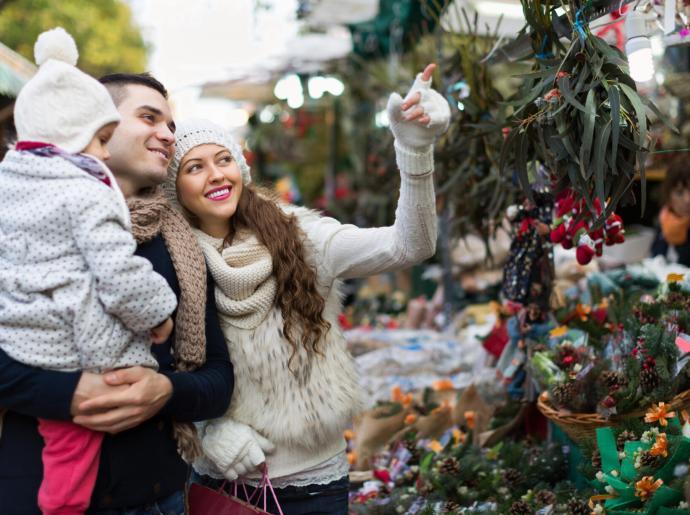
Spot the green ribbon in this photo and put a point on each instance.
(680, 454)
(621, 476)
(664, 496)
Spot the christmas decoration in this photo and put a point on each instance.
(580, 115)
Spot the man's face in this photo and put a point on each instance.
(144, 141)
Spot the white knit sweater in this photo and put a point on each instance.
(304, 414)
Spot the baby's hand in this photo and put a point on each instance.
(161, 333)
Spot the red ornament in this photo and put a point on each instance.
(558, 233)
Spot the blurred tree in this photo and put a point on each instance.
(106, 35)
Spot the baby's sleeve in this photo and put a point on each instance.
(126, 284)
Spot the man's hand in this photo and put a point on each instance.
(140, 394)
(91, 386)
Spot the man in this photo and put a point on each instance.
(145, 413)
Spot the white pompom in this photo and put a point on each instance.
(56, 44)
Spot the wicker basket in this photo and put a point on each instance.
(582, 426)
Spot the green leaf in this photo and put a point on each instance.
(582, 75)
(539, 74)
(588, 132)
(615, 102)
(563, 131)
(599, 161)
(664, 119)
(640, 113)
(425, 464)
(564, 87)
(521, 163)
(641, 116)
(578, 182)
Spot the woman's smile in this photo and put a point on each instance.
(220, 193)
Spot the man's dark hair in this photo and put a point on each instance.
(677, 176)
(116, 84)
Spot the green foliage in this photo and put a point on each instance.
(579, 113)
(467, 156)
(107, 38)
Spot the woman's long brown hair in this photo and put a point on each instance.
(300, 302)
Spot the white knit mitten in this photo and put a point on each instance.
(234, 448)
(410, 133)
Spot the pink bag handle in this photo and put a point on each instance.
(264, 484)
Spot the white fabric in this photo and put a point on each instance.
(333, 469)
(72, 293)
(412, 134)
(61, 105)
(246, 284)
(231, 449)
(304, 414)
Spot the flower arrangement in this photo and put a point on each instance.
(643, 475)
(602, 360)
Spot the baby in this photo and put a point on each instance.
(73, 296)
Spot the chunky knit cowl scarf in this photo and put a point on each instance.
(152, 215)
(243, 273)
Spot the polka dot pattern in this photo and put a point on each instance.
(72, 293)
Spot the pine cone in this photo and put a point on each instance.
(520, 508)
(425, 489)
(613, 379)
(450, 466)
(624, 436)
(596, 460)
(512, 476)
(451, 506)
(649, 379)
(545, 497)
(411, 446)
(647, 460)
(577, 507)
(564, 394)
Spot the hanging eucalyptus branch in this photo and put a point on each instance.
(580, 114)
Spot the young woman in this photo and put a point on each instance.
(672, 241)
(277, 270)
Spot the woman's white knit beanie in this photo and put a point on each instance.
(192, 133)
(61, 105)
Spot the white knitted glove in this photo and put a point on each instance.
(234, 448)
(410, 133)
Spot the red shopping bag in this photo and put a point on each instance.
(206, 501)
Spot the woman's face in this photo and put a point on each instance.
(680, 200)
(209, 185)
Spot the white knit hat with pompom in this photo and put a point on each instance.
(61, 105)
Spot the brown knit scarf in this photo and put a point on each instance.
(152, 215)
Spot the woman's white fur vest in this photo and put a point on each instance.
(312, 406)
